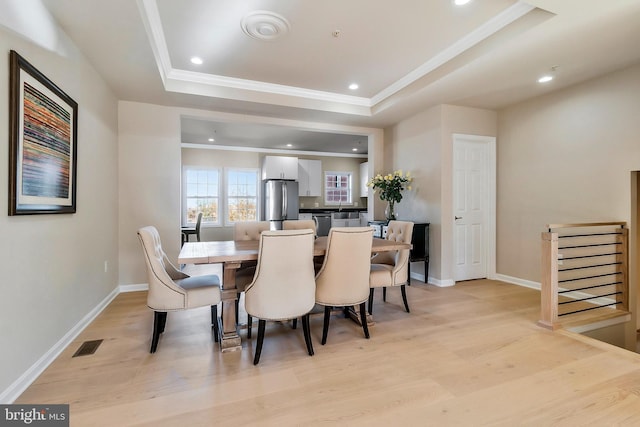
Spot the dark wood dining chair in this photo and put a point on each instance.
(192, 231)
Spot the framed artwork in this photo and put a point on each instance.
(43, 123)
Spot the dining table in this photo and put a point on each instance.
(231, 254)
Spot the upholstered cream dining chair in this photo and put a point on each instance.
(242, 231)
(392, 268)
(343, 279)
(284, 285)
(173, 290)
(249, 230)
(304, 224)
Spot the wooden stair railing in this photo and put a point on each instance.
(584, 273)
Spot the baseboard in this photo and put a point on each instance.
(134, 288)
(26, 379)
(441, 283)
(417, 276)
(517, 281)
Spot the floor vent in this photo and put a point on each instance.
(87, 348)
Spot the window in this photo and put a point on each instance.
(337, 188)
(242, 195)
(201, 193)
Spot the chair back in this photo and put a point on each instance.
(344, 276)
(400, 231)
(301, 224)
(198, 223)
(283, 286)
(163, 294)
(249, 230)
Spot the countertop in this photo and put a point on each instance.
(329, 210)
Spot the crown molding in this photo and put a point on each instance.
(185, 81)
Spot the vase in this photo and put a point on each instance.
(389, 211)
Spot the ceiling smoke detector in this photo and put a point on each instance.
(264, 25)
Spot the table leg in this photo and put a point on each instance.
(354, 314)
(229, 339)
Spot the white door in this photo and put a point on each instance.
(472, 198)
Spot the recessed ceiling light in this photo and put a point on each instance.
(353, 86)
(354, 149)
(289, 145)
(545, 79)
(196, 60)
(461, 2)
(211, 139)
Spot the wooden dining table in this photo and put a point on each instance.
(231, 254)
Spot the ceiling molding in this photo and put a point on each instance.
(272, 88)
(270, 150)
(191, 82)
(487, 29)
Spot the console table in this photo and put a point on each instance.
(420, 242)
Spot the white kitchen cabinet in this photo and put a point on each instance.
(309, 178)
(280, 167)
(364, 178)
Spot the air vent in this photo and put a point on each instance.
(87, 348)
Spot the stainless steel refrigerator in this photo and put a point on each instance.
(280, 201)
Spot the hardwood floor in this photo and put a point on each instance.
(467, 355)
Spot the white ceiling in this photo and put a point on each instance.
(406, 55)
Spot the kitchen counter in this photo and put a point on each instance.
(329, 210)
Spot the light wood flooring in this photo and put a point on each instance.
(469, 355)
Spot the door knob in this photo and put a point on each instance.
(457, 217)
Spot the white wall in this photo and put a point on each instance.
(566, 157)
(150, 173)
(53, 273)
(562, 158)
(423, 145)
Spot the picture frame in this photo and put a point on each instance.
(43, 123)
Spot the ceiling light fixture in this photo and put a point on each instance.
(354, 149)
(196, 60)
(211, 139)
(549, 76)
(353, 86)
(289, 145)
(461, 2)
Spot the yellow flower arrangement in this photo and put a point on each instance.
(390, 186)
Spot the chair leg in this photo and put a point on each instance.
(163, 321)
(295, 323)
(371, 300)
(261, 326)
(384, 294)
(307, 333)
(214, 321)
(404, 297)
(159, 321)
(325, 325)
(249, 323)
(363, 320)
